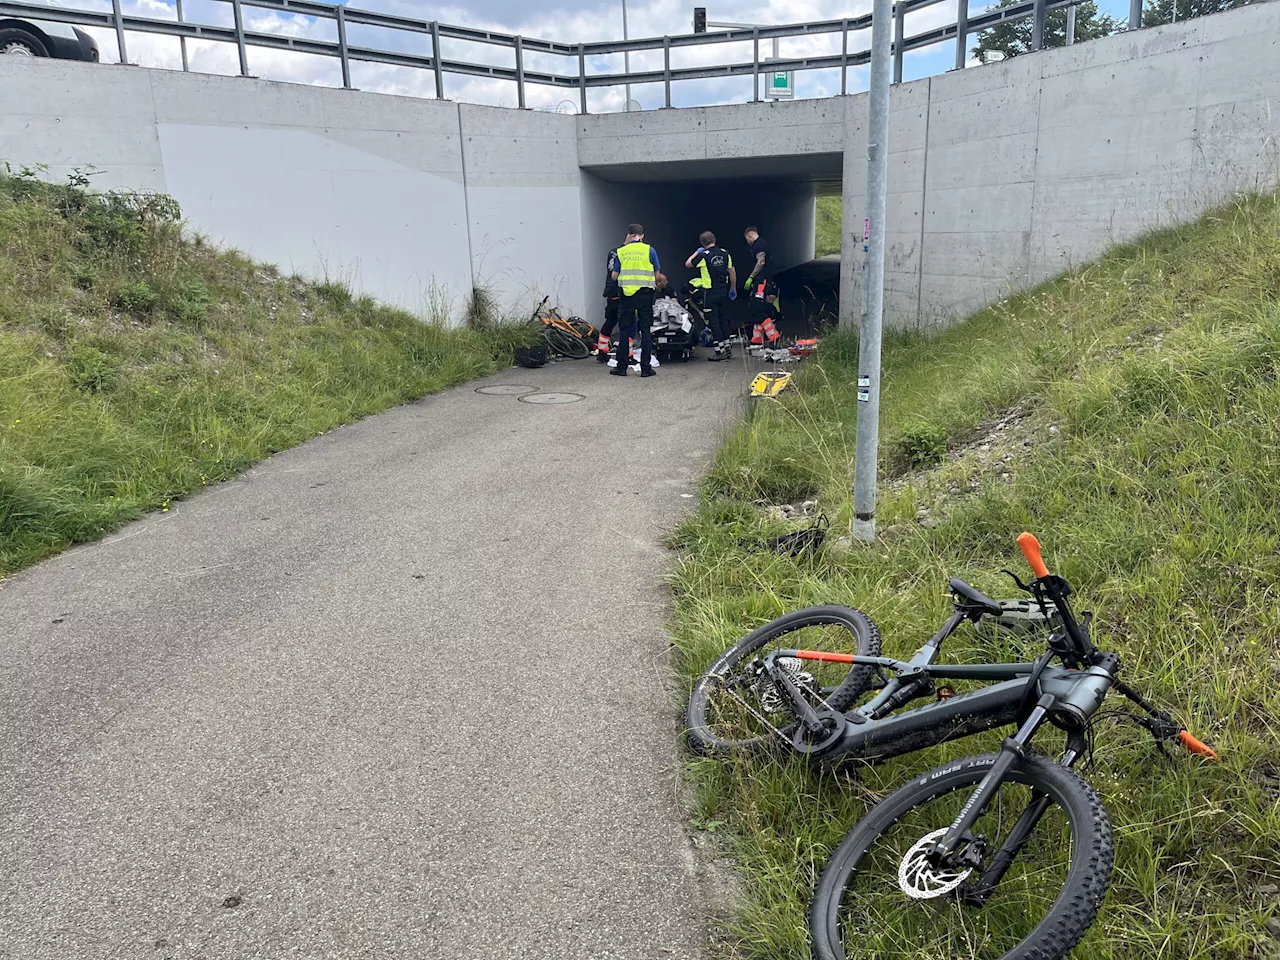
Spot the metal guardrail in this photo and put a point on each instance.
(345, 52)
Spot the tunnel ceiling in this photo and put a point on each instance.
(822, 169)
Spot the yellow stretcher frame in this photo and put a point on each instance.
(769, 383)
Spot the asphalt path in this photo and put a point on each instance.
(400, 692)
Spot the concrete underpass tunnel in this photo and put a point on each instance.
(676, 201)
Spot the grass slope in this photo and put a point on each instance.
(1147, 460)
(829, 216)
(138, 364)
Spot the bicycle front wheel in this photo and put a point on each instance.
(734, 708)
(565, 343)
(881, 895)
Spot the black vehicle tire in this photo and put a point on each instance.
(1065, 921)
(566, 344)
(12, 37)
(863, 640)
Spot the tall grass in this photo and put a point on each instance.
(830, 215)
(1149, 469)
(139, 364)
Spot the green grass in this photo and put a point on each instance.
(830, 214)
(1151, 478)
(139, 364)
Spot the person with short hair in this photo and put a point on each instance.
(717, 283)
(761, 289)
(638, 274)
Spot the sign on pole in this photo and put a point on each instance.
(780, 84)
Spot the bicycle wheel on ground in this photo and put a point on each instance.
(881, 897)
(565, 343)
(734, 707)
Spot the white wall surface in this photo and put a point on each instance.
(374, 190)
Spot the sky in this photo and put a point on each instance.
(567, 21)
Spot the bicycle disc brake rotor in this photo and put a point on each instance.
(773, 700)
(921, 880)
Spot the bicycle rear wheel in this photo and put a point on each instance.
(734, 708)
(565, 343)
(881, 896)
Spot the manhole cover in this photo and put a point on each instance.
(551, 398)
(506, 389)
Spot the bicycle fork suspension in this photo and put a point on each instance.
(1012, 750)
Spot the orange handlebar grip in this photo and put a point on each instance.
(1031, 550)
(1195, 746)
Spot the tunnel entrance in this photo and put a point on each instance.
(676, 201)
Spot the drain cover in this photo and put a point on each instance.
(506, 389)
(551, 398)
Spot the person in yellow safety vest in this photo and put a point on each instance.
(761, 289)
(717, 283)
(638, 273)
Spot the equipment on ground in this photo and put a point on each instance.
(769, 383)
(1006, 854)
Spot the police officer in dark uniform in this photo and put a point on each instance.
(612, 294)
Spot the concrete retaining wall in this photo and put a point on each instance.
(1006, 175)
(406, 199)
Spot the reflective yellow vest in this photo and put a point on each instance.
(635, 270)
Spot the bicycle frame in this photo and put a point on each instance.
(873, 732)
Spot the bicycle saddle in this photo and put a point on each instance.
(974, 597)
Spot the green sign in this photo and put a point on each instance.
(781, 81)
(779, 85)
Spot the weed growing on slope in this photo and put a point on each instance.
(1144, 397)
(138, 364)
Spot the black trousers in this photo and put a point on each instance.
(715, 307)
(610, 316)
(761, 309)
(635, 317)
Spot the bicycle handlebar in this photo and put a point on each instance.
(1031, 550)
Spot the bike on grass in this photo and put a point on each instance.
(1004, 855)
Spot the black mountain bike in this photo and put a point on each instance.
(1005, 855)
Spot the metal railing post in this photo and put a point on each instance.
(1037, 26)
(182, 41)
(239, 19)
(844, 56)
(435, 59)
(755, 60)
(582, 75)
(962, 33)
(666, 67)
(899, 21)
(118, 20)
(1071, 24)
(520, 71)
(1135, 14)
(340, 13)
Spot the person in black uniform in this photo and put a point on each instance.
(612, 294)
(718, 281)
(761, 289)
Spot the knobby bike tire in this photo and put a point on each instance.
(1076, 904)
(566, 344)
(866, 637)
